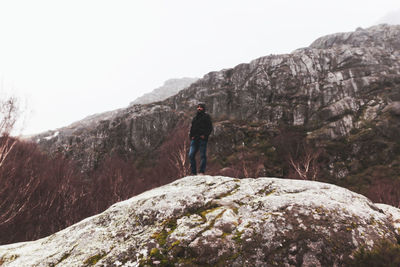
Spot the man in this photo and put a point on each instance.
(199, 132)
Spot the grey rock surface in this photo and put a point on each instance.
(137, 128)
(325, 87)
(205, 220)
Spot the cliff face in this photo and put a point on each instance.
(135, 130)
(342, 92)
(209, 221)
(331, 86)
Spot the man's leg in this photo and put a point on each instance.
(203, 155)
(194, 147)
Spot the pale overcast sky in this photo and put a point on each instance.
(73, 58)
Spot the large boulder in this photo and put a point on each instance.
(219, 221)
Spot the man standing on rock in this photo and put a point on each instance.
(199, 132)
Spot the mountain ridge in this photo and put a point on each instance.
(168, 89)
(332, 94)
(337, 39)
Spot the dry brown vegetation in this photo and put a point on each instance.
(41, 194)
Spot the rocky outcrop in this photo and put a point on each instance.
(380, 36)
(137, 128)
(170, 87)
(209, 221)
(325, 87)
(345, 85)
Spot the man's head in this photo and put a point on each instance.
(201, 107)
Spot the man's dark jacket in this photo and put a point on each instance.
(201, 125)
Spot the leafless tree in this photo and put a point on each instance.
(385, 191)
(174, 158)
(9, 113)
(300, 153)
(244, 164)
(180, 159)
(306, 165)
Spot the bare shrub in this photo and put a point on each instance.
(385, 191)
(306, 165)
(115, 179)
(174, 153)
(9, 113)
(248, 164)
(300, 153)
(39, 195)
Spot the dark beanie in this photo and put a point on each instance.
(202, 105)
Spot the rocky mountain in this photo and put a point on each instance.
(169, 88)
(338, 100)
(220, 221)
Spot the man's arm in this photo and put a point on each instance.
(209, 128)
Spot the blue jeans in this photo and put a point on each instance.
(198, 145)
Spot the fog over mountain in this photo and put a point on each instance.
(169, 88)
(391, 18)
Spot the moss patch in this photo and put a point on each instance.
(64, 257)
(238, 236)
(229, 193)
(266, 191)
(8, 259)
(383, 253)
(94, 259)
